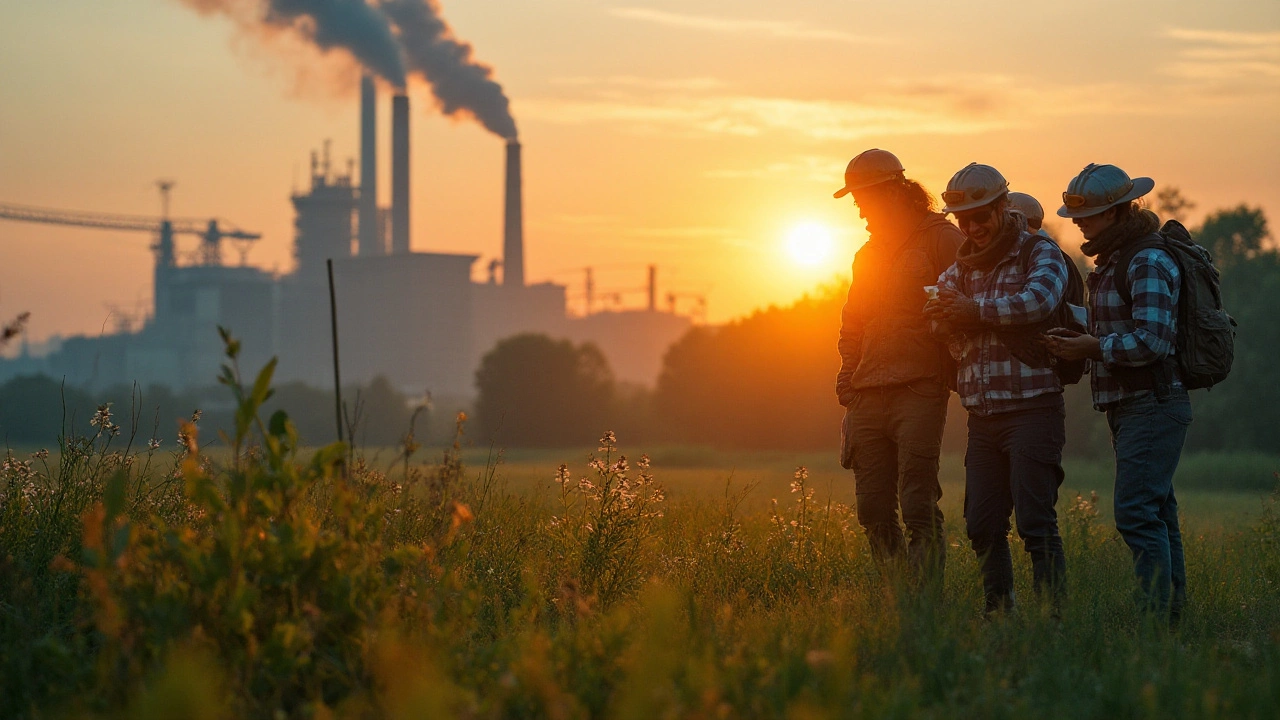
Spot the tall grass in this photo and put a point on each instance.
(262, 582)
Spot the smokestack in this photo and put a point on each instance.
(399, 174)
(513, 227)
(653, 288)
(370, 242)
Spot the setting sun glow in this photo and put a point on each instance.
(810, 244)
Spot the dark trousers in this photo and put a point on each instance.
(1148, 433)
(891, 439)
(1014, 465)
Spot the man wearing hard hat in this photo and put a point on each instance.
(1005, 284)
(1134, 376)
(1031, 210)
(894, 375)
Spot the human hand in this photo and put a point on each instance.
(1072, 345)
(960, 309)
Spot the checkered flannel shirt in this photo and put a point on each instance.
(991, 380)
(1137, 336)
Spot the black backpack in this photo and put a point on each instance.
(1205, 338)
(1025, 342)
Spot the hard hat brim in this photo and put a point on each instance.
(974, 204)
(1141, 186)
(854, 187)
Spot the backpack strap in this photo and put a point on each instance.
(1125, 258)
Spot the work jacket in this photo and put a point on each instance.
(884, 335)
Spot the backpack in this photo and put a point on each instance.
(1205, 339)
(1025, 343)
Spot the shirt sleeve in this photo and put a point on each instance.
(852, 326)
(1154, 281)
(1039, 297)
(950, 280)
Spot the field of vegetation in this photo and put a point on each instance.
(262, 580)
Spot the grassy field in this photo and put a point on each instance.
(263, 580)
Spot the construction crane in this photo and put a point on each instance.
(211, 232)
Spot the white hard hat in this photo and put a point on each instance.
(974, 186)
(870, 167)
(1029, 206)
(1099, 187)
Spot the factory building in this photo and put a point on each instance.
(416, 318)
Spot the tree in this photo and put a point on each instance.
(1234, 234)
(538, 392)
(766, 381)
(1171, 204)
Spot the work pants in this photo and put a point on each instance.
(1014, 465)
(891, 439)
(1147, 433)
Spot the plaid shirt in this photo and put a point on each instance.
(1136, 336)
(991, 379)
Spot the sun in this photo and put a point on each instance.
(810, 244)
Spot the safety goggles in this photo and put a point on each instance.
(979, 217)
(1072, 201)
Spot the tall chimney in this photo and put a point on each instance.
(653, 288)
(513, 227)
(400, 174)
(370, 243)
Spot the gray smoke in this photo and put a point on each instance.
(353, 25)
(385, 36)
(460, 84)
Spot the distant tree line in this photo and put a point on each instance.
(37, 410)
(766, 381)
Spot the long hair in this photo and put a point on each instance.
(1136, 220)
(913, 195)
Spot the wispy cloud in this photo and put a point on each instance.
(968, 105)
(632, 81)
(1225, 56)
(750, 116)
(785, 29)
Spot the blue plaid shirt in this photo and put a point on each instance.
(1137, 336)
(991, 380)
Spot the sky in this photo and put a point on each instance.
(694, 135)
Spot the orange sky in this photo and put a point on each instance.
(693, 134)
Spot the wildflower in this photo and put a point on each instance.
(154, 444)
(462, 417)
(562, 474)
(598, 465)
(608, 441)
(195, 416)
(620, 466)
(41, 454)
(585, 485)
(643, 463)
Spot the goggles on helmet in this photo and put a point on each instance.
(1072, 201)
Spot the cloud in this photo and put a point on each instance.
(784, 29)
(962, 106)
(1221, 57)
(631, 81)
(751, 116)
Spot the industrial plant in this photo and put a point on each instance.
(417, 318)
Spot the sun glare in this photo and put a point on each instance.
(810, 244)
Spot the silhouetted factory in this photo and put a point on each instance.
(415, 317)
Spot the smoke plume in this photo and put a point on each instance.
(460, 84)
(352, 25)
(391, 38)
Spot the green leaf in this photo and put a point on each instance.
(279, 424)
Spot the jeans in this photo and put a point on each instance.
(892, 437)
(1148, 432)
(1014, 465)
